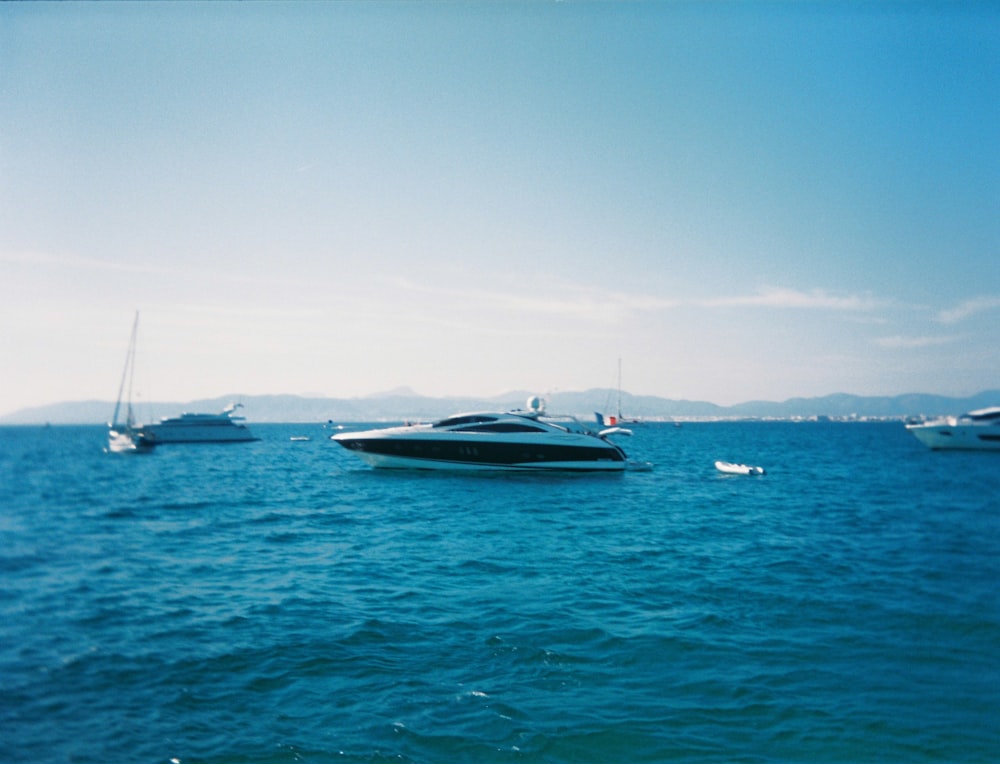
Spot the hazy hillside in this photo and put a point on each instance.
(405, 405)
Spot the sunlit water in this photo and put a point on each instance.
(280, 601)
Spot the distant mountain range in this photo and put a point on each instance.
(403, 404)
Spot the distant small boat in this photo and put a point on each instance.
(125, 437)
(738, 469)
(300, 438)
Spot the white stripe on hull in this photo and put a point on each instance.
(402, 462)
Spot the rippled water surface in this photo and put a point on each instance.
(280, 601)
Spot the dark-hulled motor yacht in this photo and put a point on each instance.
(515, 440)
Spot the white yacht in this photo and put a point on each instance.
(513, 441)
(976, 430)
(225, 427)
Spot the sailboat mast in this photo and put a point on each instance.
(129, 417)
(619, 389)
(127, 372)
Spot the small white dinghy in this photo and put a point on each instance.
(738, 469)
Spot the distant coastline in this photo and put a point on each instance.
(405, 405)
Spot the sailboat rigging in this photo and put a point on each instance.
(124, 437)
(617, 418)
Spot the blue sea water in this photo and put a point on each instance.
(280, 601)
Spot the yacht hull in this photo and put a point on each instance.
(128, 442)
(957, 437)
(455, 452)
(401, 462)
(185, 433)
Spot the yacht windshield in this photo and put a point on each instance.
(567, 423)
(465, 419)
(500, 427)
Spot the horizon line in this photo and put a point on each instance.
(409, 393)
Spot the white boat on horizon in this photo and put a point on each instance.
(974, 431)
(224, 427)
(512, 441)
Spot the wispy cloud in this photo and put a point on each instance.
(64, 260)
(814, 299)
(247, 312)
(69, 260)
(968, 308)
(596, 303)
(581, 302)
(898, 342)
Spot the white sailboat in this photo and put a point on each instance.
(124, 437)
(613, 420)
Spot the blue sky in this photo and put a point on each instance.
(741, 200)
